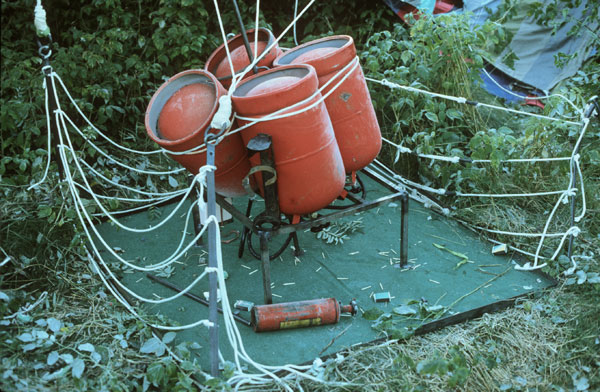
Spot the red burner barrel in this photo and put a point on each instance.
(350, 108)
(177, 117)
(310, 171)
(218, 65)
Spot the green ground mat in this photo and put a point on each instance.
(364, 264)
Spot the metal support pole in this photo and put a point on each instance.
(212, 261)
(244, 36)
(45, 52)
(590, 111)
(572, 200)
(196, 217)
(404, 231)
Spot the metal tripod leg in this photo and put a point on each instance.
(266, 266)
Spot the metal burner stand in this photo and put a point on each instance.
(268, 223)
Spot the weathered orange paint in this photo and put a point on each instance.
(310, 171)
(177, 117)
(295, 314)
(218, 64)
(350, 108)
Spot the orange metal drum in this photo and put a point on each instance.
(310, 171)
(218, 65)
(350, 108)
(295, 314)
(176, 119)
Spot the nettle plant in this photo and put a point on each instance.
(443, 55)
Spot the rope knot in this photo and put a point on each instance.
(201, 176)
(222, 117)
(574, 231)
(39, 20)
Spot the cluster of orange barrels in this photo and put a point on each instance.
(315, 149)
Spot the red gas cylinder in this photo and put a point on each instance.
(310, 171)
(299, 314)
(177, 117)
(218, 64)
(350, 108)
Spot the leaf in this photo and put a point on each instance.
(77, 368)
(581, 277)
(168, 338)
(52, 358)
(432, 116)
(68, 358)
(434, 366)
(54, 324)
(3, 296)
(405, 310)
(582, 384)
(26, 337)
(453, 114)
(153, 345)
(29, 347)
(86, 347)
(96, 357)
(594, 279)
(372, 314)
(173, 182)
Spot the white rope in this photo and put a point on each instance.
(89, 123)
(533, 194)
(132, 189)
(281, 113)
(392, 85)
(515, 234)
(580, 174)
(259, 57)
(28, 307)
(111, 158)
(256, 27)
(295, 13)
(405, 150)
(48, 140)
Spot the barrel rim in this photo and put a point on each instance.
(165, 92)
(219, 54)
(299, 50)
(248, 84)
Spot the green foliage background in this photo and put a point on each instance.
(112, 56)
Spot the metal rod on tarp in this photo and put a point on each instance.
(404, 231)
(204, 302)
